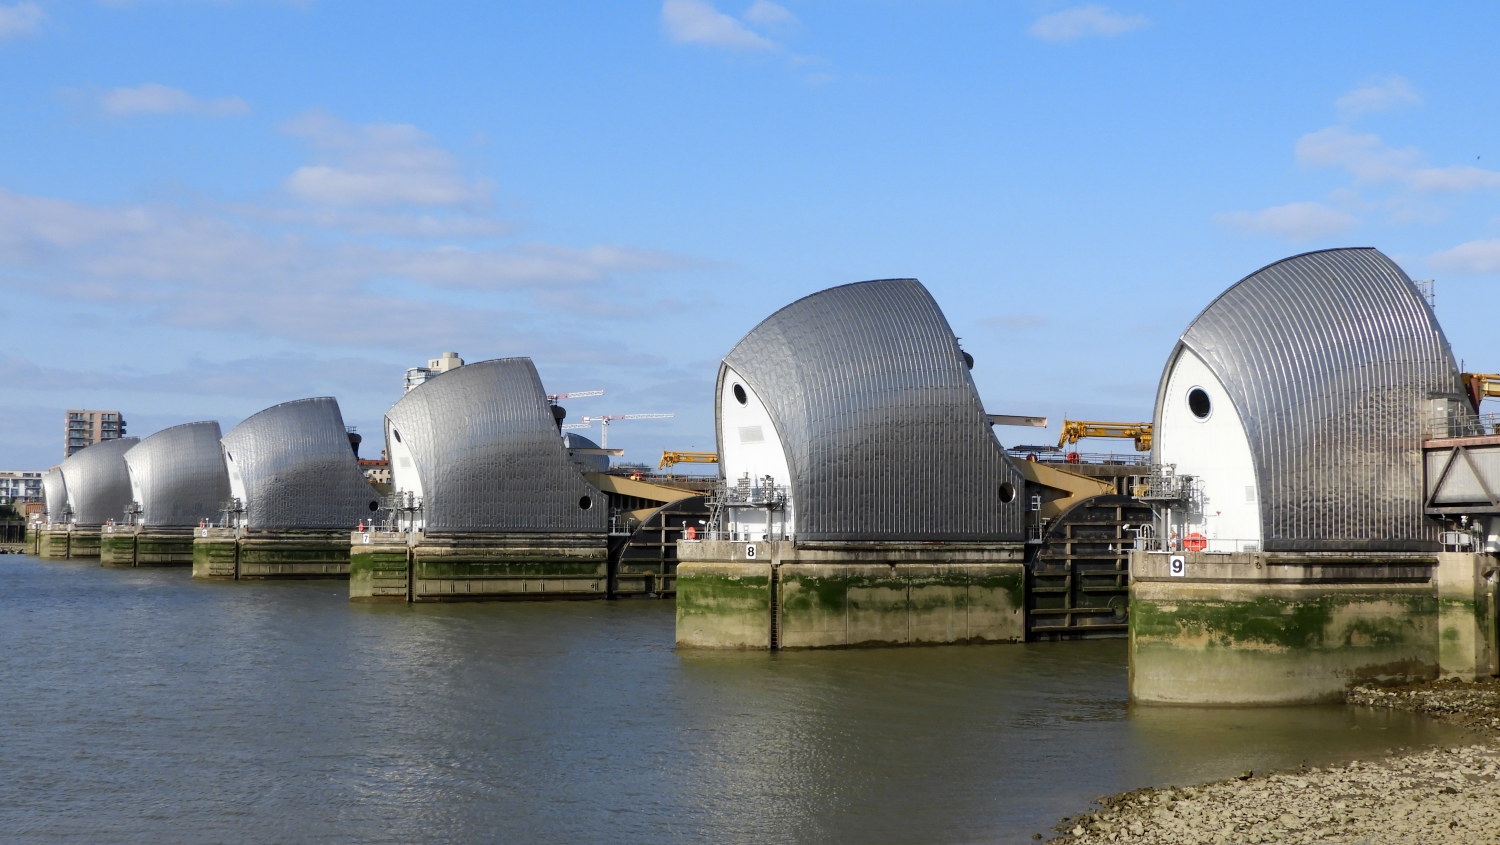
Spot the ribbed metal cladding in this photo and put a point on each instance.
(299, 469)
(489, 456)
(97, 482)
(179, 475)
(56, 492)
(885, 434)
(1330, 357)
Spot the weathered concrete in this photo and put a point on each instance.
(127, 545)
(53, 543)
(472, 567)
(789, 595)
(1268, 628)
(239, 554)
(70, 542)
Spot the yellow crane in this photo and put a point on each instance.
(1482, 386)
(671, 458)
(1075, 430)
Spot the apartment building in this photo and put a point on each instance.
(85, 428)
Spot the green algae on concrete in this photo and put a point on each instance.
(847, 594)
(117, 548)
(471, 567)
(83, 543)
(52, 544)
(216, 553)
(379, 566)
(1254, 628)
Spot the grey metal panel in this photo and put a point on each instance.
(1330, 357)
(298, 468)
(489, 456)
(55, 490)
(179, 473)
(98, 483)
(584, 463)
(885, 434)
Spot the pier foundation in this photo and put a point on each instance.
(68, 542)
(128, 545)
(1272, 628)
(468, 567)
(783, 594)
(228, 553)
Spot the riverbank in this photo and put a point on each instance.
(1433, 796)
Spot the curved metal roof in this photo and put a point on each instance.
(1329, 358)
(97, 482)
(298, 468)
(885, 434)
(179, 474)
(55, 490)
(487, 451)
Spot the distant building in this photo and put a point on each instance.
(85, 428)
(376, 471)
(435, 366)
(18, 486)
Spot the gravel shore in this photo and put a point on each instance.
(1433, 797)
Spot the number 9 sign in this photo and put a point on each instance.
(1177, 566)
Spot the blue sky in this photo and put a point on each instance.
(207, 208)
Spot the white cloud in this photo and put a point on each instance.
(154, 98)
(698, 22)
(1298, 221)
(1380, 95)
(1370, 160)
(1085, 21)
(20, 19)
(1472, 257)
(767, 14)
(381, 164)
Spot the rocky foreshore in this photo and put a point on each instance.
(1444, 795)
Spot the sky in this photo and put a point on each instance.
(208, 207)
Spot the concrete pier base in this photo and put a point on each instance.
(1272, 628)
(782, 594)
(226, 553)
(68, 542)
(469, 567)
(127, 545)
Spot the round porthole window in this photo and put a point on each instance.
(585, 502)
(374, 506)
(740, 396)
(1007, 492)
(1199, 404)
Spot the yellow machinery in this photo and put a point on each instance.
(671, 458)
(1075, 430)
(1482, 386)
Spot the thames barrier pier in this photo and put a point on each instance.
(1297, 548)
(177, 481)
(864, 498)
(486, 502)
(295, 490)
(95, 485)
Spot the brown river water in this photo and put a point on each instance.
(140, 706)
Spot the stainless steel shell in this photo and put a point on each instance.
(178, 474)
(298, 469)
(1331, 358)
(97, 482)
(885, 434)
(489, 456)
(56, 492)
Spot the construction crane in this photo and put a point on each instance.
(1482, 386)
(1075, 430)
(604, 422)
(673, 458)
(577, 394)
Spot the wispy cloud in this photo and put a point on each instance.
(1371, 160)
(767, 14)
(155, 98)
(1482, 256)
(1298, 221)
(20, 19)
(1090, 21)
(1383, 94)
(698, 22)
(380, 165)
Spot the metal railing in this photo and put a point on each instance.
(1461, 423)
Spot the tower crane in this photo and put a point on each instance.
(577, 394)
(604, 422)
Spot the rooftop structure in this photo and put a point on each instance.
(850, 414)
(480, 449)
(292, 467)
(177, 475)
(97, 482)
(435, 366)
(1297, 401)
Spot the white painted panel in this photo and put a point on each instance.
(752, 446)
(1215, 450)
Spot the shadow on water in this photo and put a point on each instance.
(143, 705)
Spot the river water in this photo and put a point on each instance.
(140, 706)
